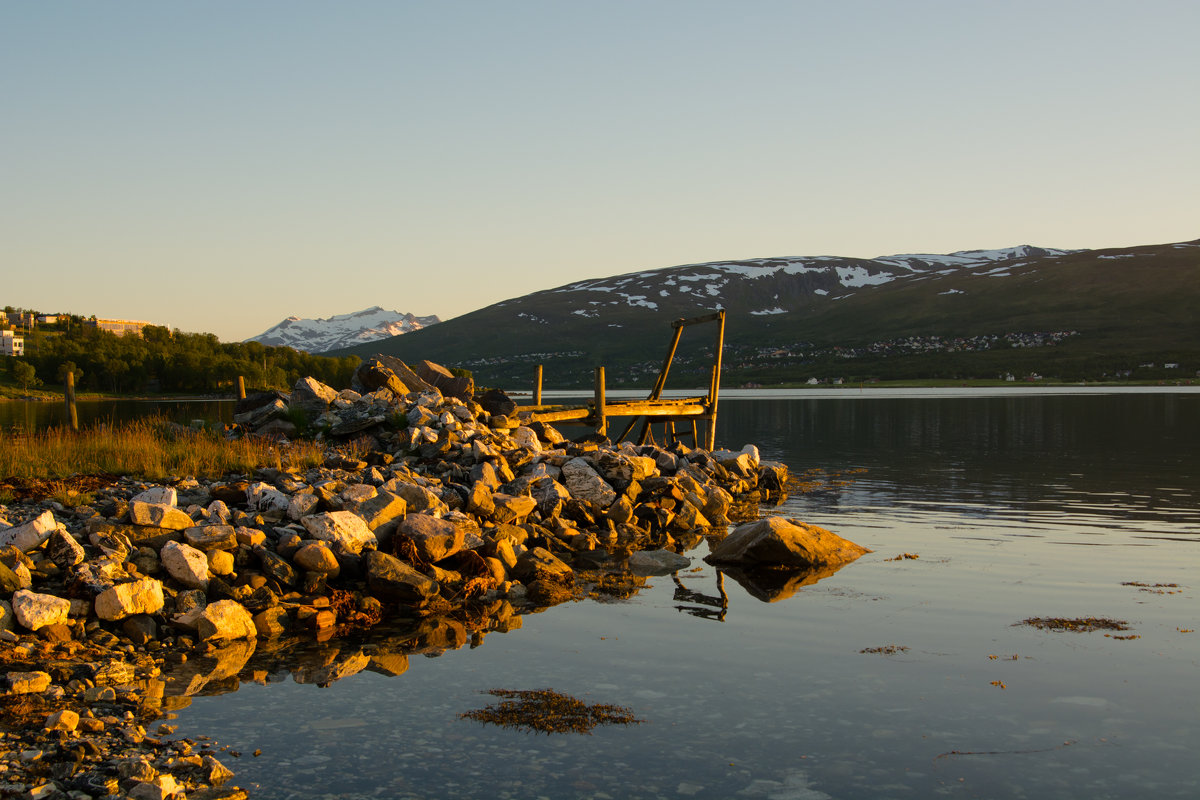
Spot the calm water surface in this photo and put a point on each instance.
(1017, 506)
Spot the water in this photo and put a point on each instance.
(37, 415)
(1018, 506)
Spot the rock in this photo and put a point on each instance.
(63, 550)
(433, 538)
(28, 682)
(344, 530)
(312, 397)
(449, 384)
(34, 610)
(159, 495)
(223, 621)
(392, 580)
(540, 564)
(317, 558)
(418, 499)
(162, 787)
(7, 620)
(125, 599)
(158, 515)
(273, 405)
(657, 562)
(383, 513)
(272, 622)
(276, 567)
(30, 535)
(301, 505)
(10, 581)
(584, 483)
(185, 564)
(220, 562)
(784, 543)
(266, 498)
(497, 403)
(512, 509)
(211, 537)
(62, 720)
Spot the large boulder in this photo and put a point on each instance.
(449, 384)
(781, 543)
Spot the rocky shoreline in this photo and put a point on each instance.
(437, 518)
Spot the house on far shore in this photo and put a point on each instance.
(119, 326)
(11, 344)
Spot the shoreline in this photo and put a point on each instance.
(442, 523)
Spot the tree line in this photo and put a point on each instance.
(164, 360)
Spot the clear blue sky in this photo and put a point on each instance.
(218, 166)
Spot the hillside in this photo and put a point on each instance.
(1080, 314)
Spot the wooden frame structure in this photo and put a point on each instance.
(651, 410)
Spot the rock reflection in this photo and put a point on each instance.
(773, 585)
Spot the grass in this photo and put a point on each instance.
(149, 448)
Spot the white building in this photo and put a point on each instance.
(11, 344)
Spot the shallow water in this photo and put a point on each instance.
(1017, 507)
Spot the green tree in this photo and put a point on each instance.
(25, 374)
(69, 366)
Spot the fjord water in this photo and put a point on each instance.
(895, 677)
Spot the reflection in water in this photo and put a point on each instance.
(790, 699)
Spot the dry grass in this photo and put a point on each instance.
(150, 448)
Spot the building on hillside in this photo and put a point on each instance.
(11, 344)
(48, 319)
(20, 319)
(119, 326)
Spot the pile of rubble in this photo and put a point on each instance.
(442, 503)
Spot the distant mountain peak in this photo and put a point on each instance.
(341, 330)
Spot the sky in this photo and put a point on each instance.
(219, 166)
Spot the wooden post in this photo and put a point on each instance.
(601, 418)
(72, 413)
(710, 440)
(537, 385)
(241, 388)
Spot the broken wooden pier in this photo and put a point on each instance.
(677, 417)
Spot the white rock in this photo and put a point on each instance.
(343, 530)
(143, 596)
(158, 515)
(30, 535)
(163, 495)
(585, 483)
(35, 611)
(185, 564)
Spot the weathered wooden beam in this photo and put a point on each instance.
(599, 417)
(537, 385)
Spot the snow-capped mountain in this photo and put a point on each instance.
(791, 280)
(341, 330)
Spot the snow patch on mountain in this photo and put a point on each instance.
(341, 330)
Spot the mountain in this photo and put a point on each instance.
(341, 330)
(975, 313)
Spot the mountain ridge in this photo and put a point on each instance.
(831, 311)
(342, 330)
